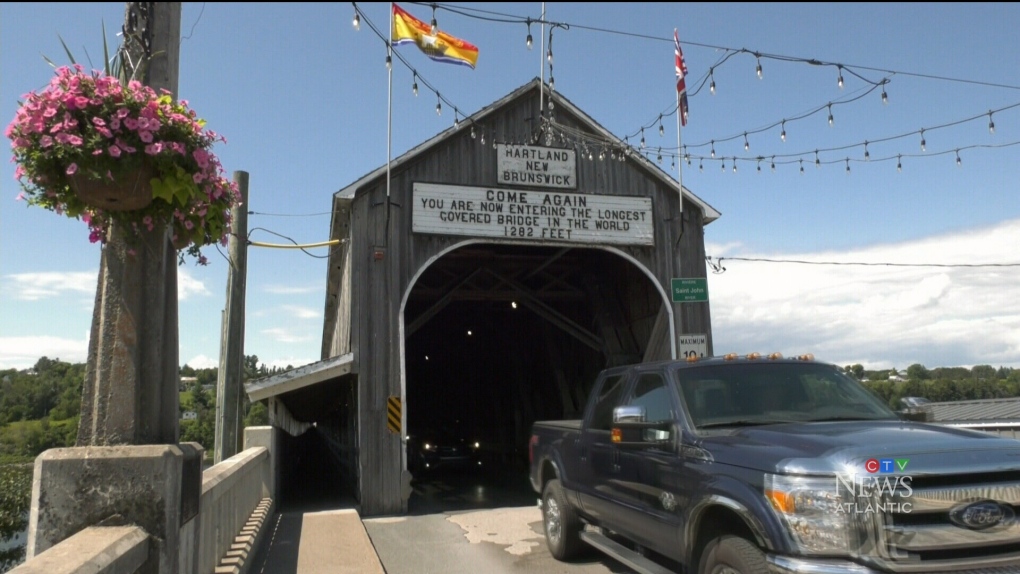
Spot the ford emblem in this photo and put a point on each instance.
(981, 515)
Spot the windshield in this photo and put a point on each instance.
(745, 393)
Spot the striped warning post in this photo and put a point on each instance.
(393, 414)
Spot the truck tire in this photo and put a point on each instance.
(732, 555)
(562, 527)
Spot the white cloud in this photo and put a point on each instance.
(287, 336)
(879, 316)
(187, 285)
(23, 352)
(50, 284)
(301, 312)
(202, 362)
(292, 290)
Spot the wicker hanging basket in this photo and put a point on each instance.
(128, 191)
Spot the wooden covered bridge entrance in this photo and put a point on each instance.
(486, 285)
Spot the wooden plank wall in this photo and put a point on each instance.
(385, 255)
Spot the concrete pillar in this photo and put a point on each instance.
(156, 487)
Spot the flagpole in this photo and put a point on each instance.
(679, 155)
(389, 115)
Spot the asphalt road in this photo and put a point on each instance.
(469, 523)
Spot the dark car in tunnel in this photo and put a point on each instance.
(442, 449)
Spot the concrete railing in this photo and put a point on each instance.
(96, 550)
(235, 502)
(231, 490)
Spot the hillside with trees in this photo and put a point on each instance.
(39, 410)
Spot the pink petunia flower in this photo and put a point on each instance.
(72, 169)
(114, 150)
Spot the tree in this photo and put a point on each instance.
(983, 372)
(918, 372)
(258, 415)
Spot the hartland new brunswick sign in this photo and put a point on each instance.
(536, 166)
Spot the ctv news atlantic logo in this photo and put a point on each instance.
(886, 465)
(882, 488)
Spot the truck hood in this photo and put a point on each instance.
(843, 447)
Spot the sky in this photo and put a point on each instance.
(875, 265)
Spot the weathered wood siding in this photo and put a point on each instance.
(385, 256)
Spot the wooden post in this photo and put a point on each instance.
(228, 380)
(131, 377)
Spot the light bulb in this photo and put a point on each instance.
(660, 157)
(867, 156)
(552, 83)
(529, 41)
(959, 162)
(434, 26)
(839, 80)
(848, 167)
(662, 131)
(642, 137)
(548, 55)
(922, 141)
(818, 162)
(899, 163)
(439, 108)
(885, 97)
(711, 87)
(389, 63)
(991, 124)
(759, 166)
(830, 115)
(722, 165)
(414, 88)
(747, 145)
(357, 21)
(482, 141)
(773, 163)
(734, 165)
(782, 135)
(456, 120)
(713, 149)
(758, 69)
(473, 134)
(701, 165)
(802, 167)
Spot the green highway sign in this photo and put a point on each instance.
(689, 290)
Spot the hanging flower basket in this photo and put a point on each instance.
(93, 148)
(129, 191)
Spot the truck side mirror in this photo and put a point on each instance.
(916, 414)
(629, 414)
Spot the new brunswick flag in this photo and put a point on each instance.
(441, 46)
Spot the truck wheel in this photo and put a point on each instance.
(732, 555)
(562, 527)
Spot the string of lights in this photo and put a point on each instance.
(717, 263)
(591, 145)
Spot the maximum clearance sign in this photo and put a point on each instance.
(532, 215)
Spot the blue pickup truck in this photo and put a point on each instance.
(767, 465)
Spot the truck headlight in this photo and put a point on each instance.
(812, 511)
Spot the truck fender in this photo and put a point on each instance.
(742, 501)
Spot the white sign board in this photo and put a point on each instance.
(536, 166)
(531, 215)
(693, 346)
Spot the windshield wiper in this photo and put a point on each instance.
(746, 423)
(849, 418)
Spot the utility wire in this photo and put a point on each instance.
(717, 263)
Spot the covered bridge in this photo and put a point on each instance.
(483, 279)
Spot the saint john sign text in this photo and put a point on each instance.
(532, 215)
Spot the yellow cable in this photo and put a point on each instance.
(285, 246)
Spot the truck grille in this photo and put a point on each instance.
(967, 520)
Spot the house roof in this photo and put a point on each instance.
(984, 410)
(710, 213)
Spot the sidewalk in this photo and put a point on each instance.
(330, 541)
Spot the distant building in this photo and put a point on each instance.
(189, 416)
(186, 381)
(998, 416)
